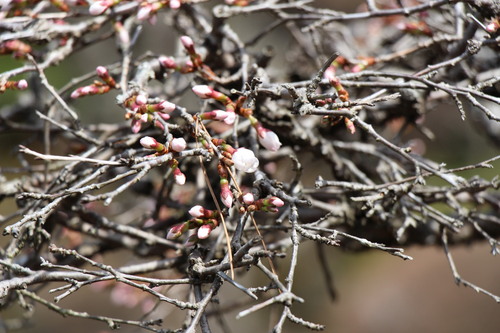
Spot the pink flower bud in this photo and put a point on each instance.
(245, 160)
(276, 201)
(248, 198)
(203, 91)
(22, 84)
(164, 116)
(99, 7)
(230, 118)
(227, 198)
(178, 144)
(177, 230)
(101, 71)
(204, 231)
(350, 125)
(329, 73)
(220, 115)
(180, 178)
(167, 62)
(187, 42)
(144, 12)
(269, 139)
(141, 99)
(136, 126)
(197, 211)
(149, 142)
(175, 4)
(166, 106)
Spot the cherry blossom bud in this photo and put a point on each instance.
(225, 193)
(245, 160)
(276, 201)
(204, 231)
(136, 125)
(350, 125)
(248, 198)
(177, 230)
(178, 144)
(203, 91)
(99, 7)
(329, 73)
(22, 84)
(149, 142)
(179, 177)
(166, 106)
(197, 211)
(167, 62)
(230, 118)
(187, 42)
(175, 4)
(144, 12)
(141, 99)
(269, 139)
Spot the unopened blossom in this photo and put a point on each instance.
(166, 106)
(203, 91)
(150, 143)
(177, 230)
(230, 117)
(167, 62)
(275, 201)
(175, 4)
(141, 99)
(22, 84)
(188, 43)
(204, 231)
(225, 193)
(180, 178)
(248, 198)
(178, 144)
(350, 125)
(245, 160)
(197, 211)
(99, 7)
(269, 139)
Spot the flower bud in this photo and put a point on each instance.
(204, 231)
(22, 84)
(180, 178)
(187, 42)
(141, 99)
(177, 230)
(149, 142)
(203, 91)
(197, 211)
(178, 144)
(175, 4)
(248, 198)
(99, 7)
(167, 62)
(269, 139)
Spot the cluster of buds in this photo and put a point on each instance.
(15, 47)
(148, 10)
(14, 85)
(243, 159)
(270, 204)
(204, 221)
(267, 138)
(175, 145)
(142, 112)
(97, 88)
(195, 62)
(343, 95)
